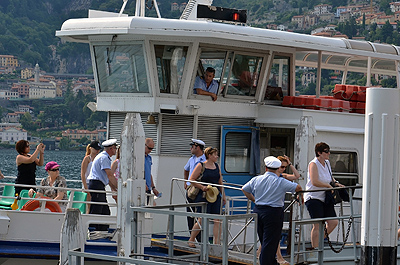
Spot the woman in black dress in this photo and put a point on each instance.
(212, 175)
(27, 163)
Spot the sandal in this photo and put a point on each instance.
(191, 244)
(283, 262)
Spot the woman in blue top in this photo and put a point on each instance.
(212, 175)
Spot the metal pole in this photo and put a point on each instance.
(381, 177)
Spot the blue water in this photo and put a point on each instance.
(69, 161)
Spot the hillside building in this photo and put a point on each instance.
(26, 73)
(8, 94)
(13, 134)
(9, 61)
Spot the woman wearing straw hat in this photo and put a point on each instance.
(212, 175)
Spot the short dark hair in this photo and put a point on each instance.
(210, 70)
(20, 146)
(320, 147)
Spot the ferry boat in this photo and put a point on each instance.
(145, 68)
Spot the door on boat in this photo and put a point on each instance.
(240, 159)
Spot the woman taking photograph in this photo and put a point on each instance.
(53, 180)
(211, 175)
(318, 177)
(26, 164)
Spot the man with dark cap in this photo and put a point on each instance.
(100, 176)
(268, 193)
(197, 150)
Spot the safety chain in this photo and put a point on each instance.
(345, 239)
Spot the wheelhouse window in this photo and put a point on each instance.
(170, 62)
(121, 69)
(243, 74)
(278, 83)
(237, 73)
(237, 152)
(344, 167)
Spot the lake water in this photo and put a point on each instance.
(69, 161)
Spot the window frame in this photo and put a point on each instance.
(96, 70)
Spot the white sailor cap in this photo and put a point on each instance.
(272, 162)
(197, 142)
(109, 142)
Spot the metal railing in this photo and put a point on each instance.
(320, 250)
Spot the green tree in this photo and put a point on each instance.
(65, 143)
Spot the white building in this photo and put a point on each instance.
(307, 78)
(13, 135)
(322, 9)
(394, 6)
(6, 94)
(39, 92)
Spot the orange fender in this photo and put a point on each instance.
(34, 204)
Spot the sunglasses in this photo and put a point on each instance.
(54, 169)
(150, 148)
(326, 151)
(283, 167)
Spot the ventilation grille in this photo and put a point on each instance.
(176, 133)
(116, 120)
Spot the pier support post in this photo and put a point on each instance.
(304, 144)
(380, 177)
(72, 236)
(131, 187)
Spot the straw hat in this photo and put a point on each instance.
(212, 193)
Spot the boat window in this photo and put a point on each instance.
(170, 64)
(278, 83)
(121, 69)
(214, 59)
(243, 75)
(237, 152)
(344, 167)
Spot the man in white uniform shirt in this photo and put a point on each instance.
(100, 176)
(197, 150)
(268, 193)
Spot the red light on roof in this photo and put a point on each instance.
(235, 17)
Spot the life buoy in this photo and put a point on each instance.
(34, 204)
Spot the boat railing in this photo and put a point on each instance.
(71, 192)
(298, 222)
(206, 248)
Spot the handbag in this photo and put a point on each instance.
(335, 196)
(192, 191)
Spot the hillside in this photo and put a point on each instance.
(27, 28)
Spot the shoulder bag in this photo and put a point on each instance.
(192, 191)
(335, 196)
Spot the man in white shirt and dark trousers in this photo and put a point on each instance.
(197, 150)
(268, 193)
(100, 176)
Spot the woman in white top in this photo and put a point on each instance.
(319, 176)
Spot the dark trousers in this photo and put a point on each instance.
(269, 229)
(190, 220)
(97, 208)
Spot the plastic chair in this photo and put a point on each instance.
(7, 191)
(79, 196)
(22, 202)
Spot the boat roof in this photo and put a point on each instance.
(79, 30)
(337, 53)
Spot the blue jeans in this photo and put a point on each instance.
(269, 229)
